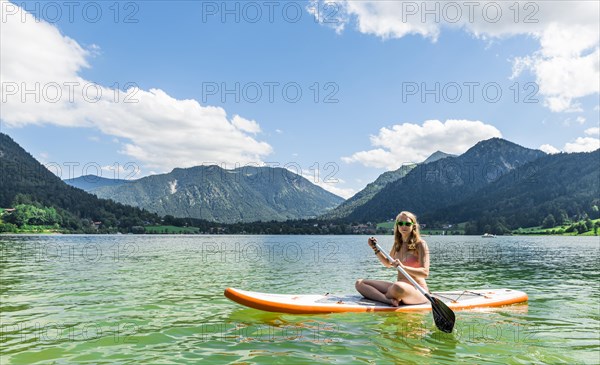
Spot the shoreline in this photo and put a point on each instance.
(274, 234)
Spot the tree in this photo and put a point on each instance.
(549, 221)
(471, 228)
(581, 228)
(7, 228)
(563, 217)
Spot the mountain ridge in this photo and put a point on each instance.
(446, 181)
(364, 195)
(212, 193)
(91, 182)
(26, 181)
(562, 185)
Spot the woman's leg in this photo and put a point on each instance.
(374, 289)
(406, 293)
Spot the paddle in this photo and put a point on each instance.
(442, 315)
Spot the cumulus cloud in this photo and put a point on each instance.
(550, 149)
(345, 193)
(331, 183)
(565, 67)
(592, 131)
(413, 143)
(581, 144)
(158, 130)
(249, 126)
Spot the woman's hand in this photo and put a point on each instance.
(372, 242)
(397, 263)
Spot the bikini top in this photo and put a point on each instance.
(412, 261)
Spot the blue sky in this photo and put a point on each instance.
(363, 69)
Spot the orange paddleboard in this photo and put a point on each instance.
(328, 303)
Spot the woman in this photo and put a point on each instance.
(409, 252)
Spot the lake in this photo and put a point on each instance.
(127, 299)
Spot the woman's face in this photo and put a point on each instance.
(401, 222)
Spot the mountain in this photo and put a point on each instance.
(437, 155)
(91, 182)
(566, 186)
(23, 180)
(244, 194)
(363, 196)
(447, 181)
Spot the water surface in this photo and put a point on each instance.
(159, 299)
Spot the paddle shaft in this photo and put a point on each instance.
(402, 271)
(443, 316)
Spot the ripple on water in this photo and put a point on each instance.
(159, 299)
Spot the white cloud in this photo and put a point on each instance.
(332, 185)
(244, 125)
(345, 193)
(324, 178)
(592, 131)
(569, 122)
(566, 66)
(583, 144)
(328, 12)
(484, 19)
(160, 131)
(549, 149)
(378, 157)
(413, 143)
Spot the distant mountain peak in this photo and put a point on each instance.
(496, 142)
(437, 155)
(498, 146)
(91, 182)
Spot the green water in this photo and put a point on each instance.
(159, 300)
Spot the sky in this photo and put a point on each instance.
(338, 91)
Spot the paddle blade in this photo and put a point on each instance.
(442, 315)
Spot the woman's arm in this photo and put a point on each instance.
(372, 241)
(384, 259)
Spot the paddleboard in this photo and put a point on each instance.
(329, 303)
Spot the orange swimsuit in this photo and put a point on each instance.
(411, 261)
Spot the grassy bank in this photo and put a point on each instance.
(171, 230)
(457, 229)
(568, 229)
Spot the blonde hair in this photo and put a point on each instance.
(415, 234)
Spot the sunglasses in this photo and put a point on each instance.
(401, 223)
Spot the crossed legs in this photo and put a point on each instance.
(390, 293)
